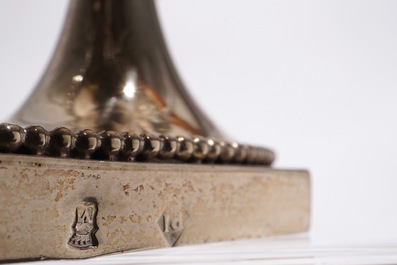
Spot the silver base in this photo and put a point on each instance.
(66, 208)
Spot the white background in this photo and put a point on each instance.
(314, 80)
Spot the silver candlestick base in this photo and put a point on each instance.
(66, 208)
(110, 153)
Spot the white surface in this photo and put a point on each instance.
(315, 80)
(291, 250)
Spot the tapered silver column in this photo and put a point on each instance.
(111, 70)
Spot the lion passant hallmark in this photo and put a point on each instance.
(84, 226)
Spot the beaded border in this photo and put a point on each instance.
(113, 146)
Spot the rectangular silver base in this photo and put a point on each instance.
(65, 208)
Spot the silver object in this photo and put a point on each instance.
(110, 145)
(72, 182)
(111, 71)
(141, 205)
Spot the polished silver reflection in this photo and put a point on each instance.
(111, 71)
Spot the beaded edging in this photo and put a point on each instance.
(113, 146)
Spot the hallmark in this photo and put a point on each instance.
(84, 226)
(171, 226)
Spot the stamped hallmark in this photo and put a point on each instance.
(172, 226)
(84, 226)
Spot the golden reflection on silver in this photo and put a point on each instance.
(72, 184)
(111, 71)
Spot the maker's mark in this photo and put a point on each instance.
(84, 226)
(172, 226)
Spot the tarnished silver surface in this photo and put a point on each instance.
(111, 71)
(68, 208)
(111, 95)
(110, 145)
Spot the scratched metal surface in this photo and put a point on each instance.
(65, 208)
